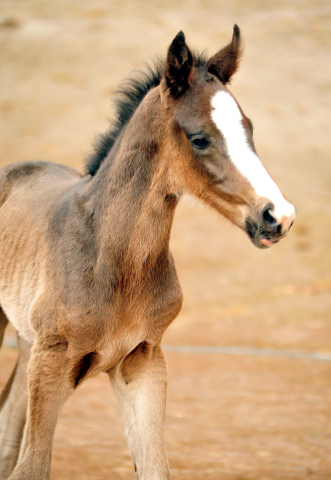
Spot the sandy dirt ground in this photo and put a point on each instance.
(229, 417)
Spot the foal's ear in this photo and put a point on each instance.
(224, 63)
(178, 66)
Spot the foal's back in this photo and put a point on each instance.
(29, 192)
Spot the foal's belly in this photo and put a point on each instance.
(18, 290)
(19, 318)
(21, 267)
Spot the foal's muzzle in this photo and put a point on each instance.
(270, 228)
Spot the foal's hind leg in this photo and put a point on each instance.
(141, 384)
(13, 409)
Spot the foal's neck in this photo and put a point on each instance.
(134, 200)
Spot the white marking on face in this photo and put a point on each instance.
(229, 120)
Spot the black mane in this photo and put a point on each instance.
(127, 99)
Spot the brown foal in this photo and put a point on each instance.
(86, 276)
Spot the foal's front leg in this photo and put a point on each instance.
(140, 382)
(49, 386)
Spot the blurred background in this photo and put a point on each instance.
(230, 416)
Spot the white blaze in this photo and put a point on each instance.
(228, 119)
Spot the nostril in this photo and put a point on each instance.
(268, 218)
(270, 223)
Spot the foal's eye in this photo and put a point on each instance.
(200, 143)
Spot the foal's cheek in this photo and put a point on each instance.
(215, 168)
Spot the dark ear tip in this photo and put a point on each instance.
(236, 31)
(180, 37)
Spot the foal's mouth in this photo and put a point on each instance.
(259, 236)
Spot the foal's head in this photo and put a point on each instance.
(211, 143)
